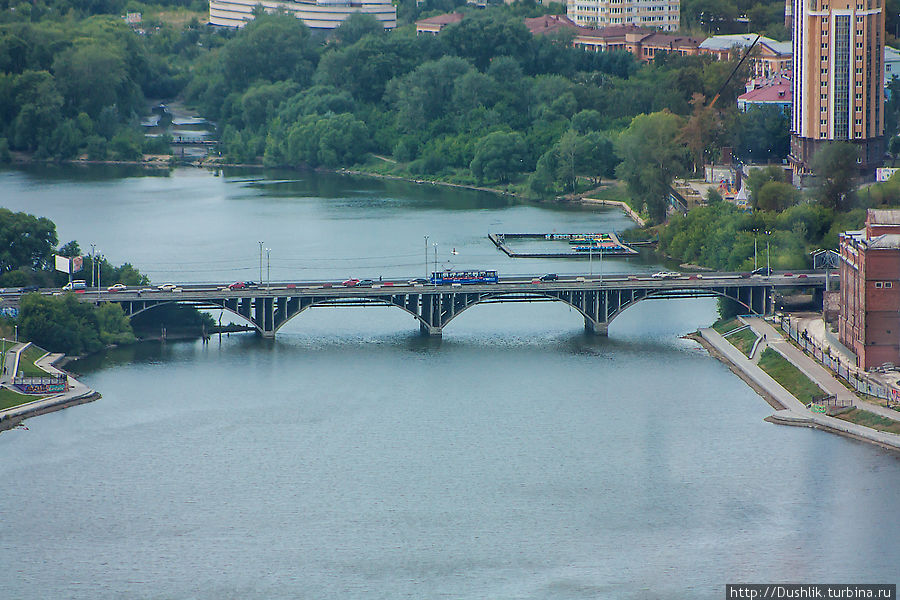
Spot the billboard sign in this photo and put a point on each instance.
(69, 265)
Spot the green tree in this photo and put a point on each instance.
(271, 48)
(499, 156)
(836, 167)
(25, 241)
(651, 158)
(776, 196)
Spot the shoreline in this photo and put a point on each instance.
(165, 161)
(785, 415)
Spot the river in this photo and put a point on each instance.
(515, 458)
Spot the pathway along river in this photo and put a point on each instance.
(351, 458)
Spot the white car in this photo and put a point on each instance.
(166, 287)
(664, 275)
(116, 288)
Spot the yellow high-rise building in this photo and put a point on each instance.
(838, 74)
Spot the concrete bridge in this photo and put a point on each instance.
(269, 307)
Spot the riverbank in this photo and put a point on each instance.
(78, 393)
(789, 410)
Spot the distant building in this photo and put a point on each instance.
(891, 65)
(769, 91)
(869, 323)
(838, 85)
(434, 25)
(769, 57)
(656, 14)
(317, 14)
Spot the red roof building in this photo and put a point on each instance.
(433, 25)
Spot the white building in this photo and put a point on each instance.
(317, 14)
(657, 14)
(891, 64)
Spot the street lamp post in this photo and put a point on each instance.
(755, 232)
(768, 265)
(591, 257)
(268, 271)
(99, 258)
(92, 266)
(426, 257)
(260, 261)
(435, 264)
(17, 333)
(601, 263)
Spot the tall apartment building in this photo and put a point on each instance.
(838, 49)
(869, 322)
(659, 14)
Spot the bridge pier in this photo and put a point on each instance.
(429, 330)
(596, 327)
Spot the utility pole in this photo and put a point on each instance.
(435, 264)
(268, 271)
(768, 265)
(426, 257)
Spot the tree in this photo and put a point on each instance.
(355, 27)
(836, 167)
(499, 156)
(776, 196)
(760, 177)
(270, 48)
(651, 158)
(25, 241)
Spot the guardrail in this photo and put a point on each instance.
(843, 370)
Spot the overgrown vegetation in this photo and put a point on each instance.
(870, 419)
(66, 324)
(789, 376)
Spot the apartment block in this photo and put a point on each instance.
(658, 14)
(838, 94)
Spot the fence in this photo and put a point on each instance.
(48, 384)
(858, 382)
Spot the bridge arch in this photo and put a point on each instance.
(434, 308)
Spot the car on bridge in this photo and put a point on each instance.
(762, 271)
(237, 285)
(666, 275)
(352, 282)
(118, 287)
(550, 277)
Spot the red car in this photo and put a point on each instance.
(351, 283)
(237, 285)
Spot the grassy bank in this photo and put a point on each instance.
(9, 398)
(789, 376)
(871, 420)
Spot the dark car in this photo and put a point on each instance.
(30, 288)
(762, 271)
(366, 283)
(550, 277)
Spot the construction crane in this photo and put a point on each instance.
(733, 71)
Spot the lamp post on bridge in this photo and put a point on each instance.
(260, 261)
(768, 265)
(755, 233)
(434, 278)
(268, 271)
(426, 257)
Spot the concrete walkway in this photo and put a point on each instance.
(794, 413)
(78, 393)
(812, 369)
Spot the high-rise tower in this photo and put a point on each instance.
(838, 92)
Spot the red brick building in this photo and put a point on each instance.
(869, 323)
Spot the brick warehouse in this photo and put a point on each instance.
(869, 323)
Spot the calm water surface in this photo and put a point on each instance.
(352, 458)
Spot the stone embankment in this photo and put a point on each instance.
(792, 411)
(78, 393)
